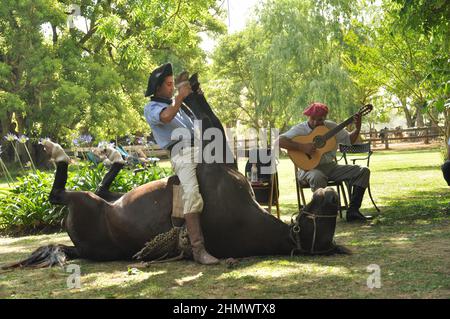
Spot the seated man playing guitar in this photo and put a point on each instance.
(312, 147)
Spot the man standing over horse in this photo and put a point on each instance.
(164, 116)
(327, 169)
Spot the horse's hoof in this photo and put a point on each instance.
(55, 151)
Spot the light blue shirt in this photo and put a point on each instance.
(163, 131)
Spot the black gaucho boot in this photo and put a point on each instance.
(103, 190)
(353, 213)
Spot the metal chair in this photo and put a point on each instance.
(302, 184)
(359, 150)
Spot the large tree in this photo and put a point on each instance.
(286, 58)
(401, 51)
(58, 81)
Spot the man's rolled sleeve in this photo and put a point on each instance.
(152, 114)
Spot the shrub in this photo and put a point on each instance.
(26, 208)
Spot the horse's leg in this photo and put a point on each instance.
(58, 192)
(103, 190)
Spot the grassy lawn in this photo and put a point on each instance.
(409, 241)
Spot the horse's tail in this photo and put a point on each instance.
(46, 256)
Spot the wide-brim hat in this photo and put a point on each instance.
(157, 77)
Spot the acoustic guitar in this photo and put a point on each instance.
(323, 139)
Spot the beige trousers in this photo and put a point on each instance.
(185, 167)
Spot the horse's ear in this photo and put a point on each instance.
(330, 197)
(193, 80)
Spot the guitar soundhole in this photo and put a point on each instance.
(319, 141)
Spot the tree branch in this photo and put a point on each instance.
(55, 34)
(88, 35)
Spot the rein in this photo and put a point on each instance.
(295, 233)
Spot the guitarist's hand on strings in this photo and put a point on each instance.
(357, 120)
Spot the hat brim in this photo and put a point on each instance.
(157, 77)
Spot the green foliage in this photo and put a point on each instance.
(286, 58)
(26, 208)
(88, 178)
(58, 82)
(399, 54)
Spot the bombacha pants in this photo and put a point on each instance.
(185, 167)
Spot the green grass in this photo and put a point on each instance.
(409, 241)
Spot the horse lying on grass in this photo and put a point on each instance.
(233, 223)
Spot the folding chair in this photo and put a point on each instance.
(266, 189)
(364, 150)
(134, 160)
(94, 159)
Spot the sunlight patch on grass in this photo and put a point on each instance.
(277, 269)
(117, 278)
(187, 279)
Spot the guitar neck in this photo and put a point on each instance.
(335, 130)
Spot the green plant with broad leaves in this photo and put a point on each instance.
(26, 208)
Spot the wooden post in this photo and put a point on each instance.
(386, 142)
(426, 136)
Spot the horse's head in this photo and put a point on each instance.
(324, 202)
(195, 84)
(197, 103)
(316, 223)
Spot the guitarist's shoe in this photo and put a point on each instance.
(356, 216)
(353, 213)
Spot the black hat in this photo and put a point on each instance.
(157, 77)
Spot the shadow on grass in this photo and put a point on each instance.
(410, 169)
(428, 206)
(390, 152)
(412, 260)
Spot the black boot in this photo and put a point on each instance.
(353, 213)
(103, 190)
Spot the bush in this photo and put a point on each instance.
(26, 208)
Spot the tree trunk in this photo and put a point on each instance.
(408, 115)
(419, 118)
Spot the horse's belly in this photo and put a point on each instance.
(135, 220)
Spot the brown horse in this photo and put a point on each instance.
(233, 223)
